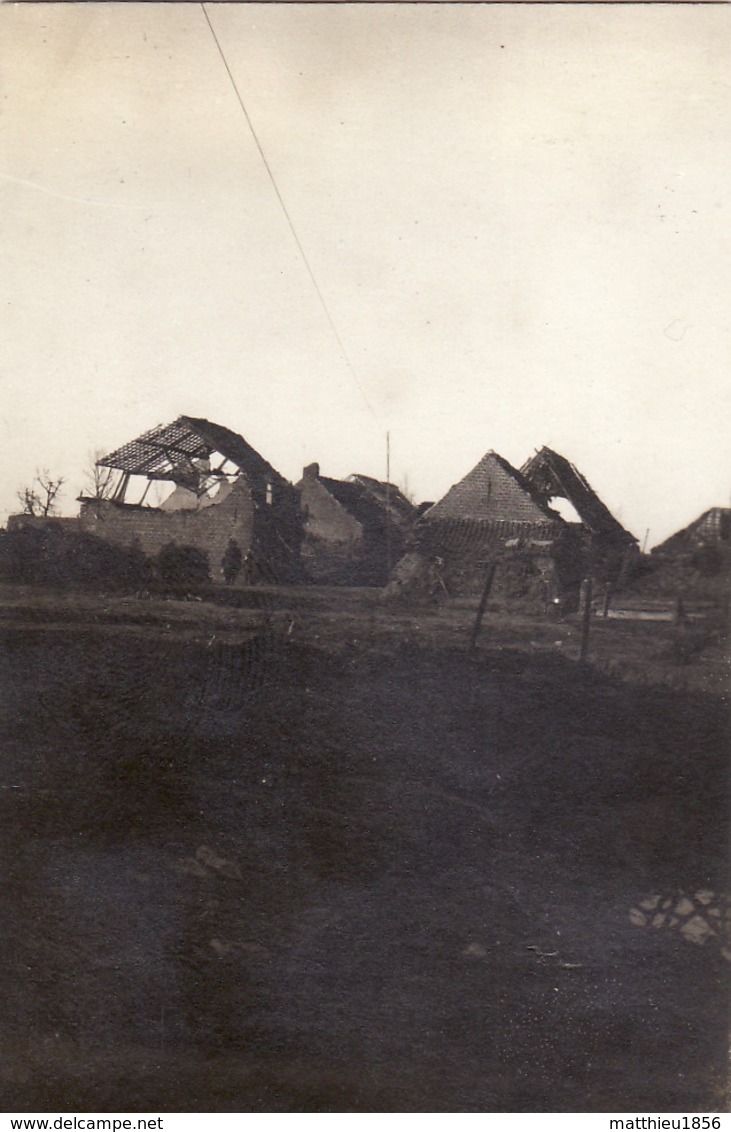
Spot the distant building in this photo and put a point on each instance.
(693, 564)
(712, 528)
(354, 529)
(223, 490)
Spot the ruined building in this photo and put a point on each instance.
(610, 550)
(354, 529)
(695, 561)
(492, 512)
(222, 490)
(712, 528)
(497, 513)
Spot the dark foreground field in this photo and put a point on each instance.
(261, 866)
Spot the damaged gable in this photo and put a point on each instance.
(499, 514)
(492, 513)
(552, 476)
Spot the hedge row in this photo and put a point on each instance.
(49, 555)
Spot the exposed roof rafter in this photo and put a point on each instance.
(169, 452)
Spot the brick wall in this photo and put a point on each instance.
(333, 539)
(324, 518)
(465, 547)
(490, 493)
(151, 529)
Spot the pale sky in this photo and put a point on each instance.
(517, 216)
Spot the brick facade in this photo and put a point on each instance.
(493, 491)
(333, 538)
(270, 532)
(150, 529)
(324, 517)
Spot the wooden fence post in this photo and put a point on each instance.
(679, 616)
(586, 593)
(489, 577)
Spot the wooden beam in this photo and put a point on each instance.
(121, 489)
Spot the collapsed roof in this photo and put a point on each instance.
(552, 476)
(180, 451)
(368, 500)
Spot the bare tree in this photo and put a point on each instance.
(40, 498)
(30, 501)
(99, 481)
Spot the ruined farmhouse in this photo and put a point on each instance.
(497, 513)
(492, 511)
(354, 529)
(611, 550)
(222, 490)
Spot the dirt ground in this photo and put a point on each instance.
(306, 852)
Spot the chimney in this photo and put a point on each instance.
(311, 472)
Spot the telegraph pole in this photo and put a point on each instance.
(388, 504)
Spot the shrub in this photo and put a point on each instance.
(47, 554)
(183, 567)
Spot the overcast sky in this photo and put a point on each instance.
(517, 218)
